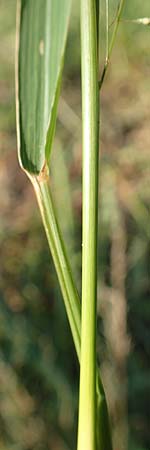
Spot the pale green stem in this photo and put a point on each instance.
(57, 248)
(90, 115)
(111, 45)
(97, 23)
(107, 31)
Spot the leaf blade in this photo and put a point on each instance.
(42, 37)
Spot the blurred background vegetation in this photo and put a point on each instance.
(38, 366)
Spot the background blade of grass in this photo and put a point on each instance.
(42, 35)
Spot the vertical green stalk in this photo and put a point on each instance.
(90, 114)
(111, 45)
(59, 255)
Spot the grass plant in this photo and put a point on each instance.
(41, 40)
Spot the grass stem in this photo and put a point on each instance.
(111, 45)
(90, 115)
(57, 248)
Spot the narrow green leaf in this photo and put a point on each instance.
(42, 31)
